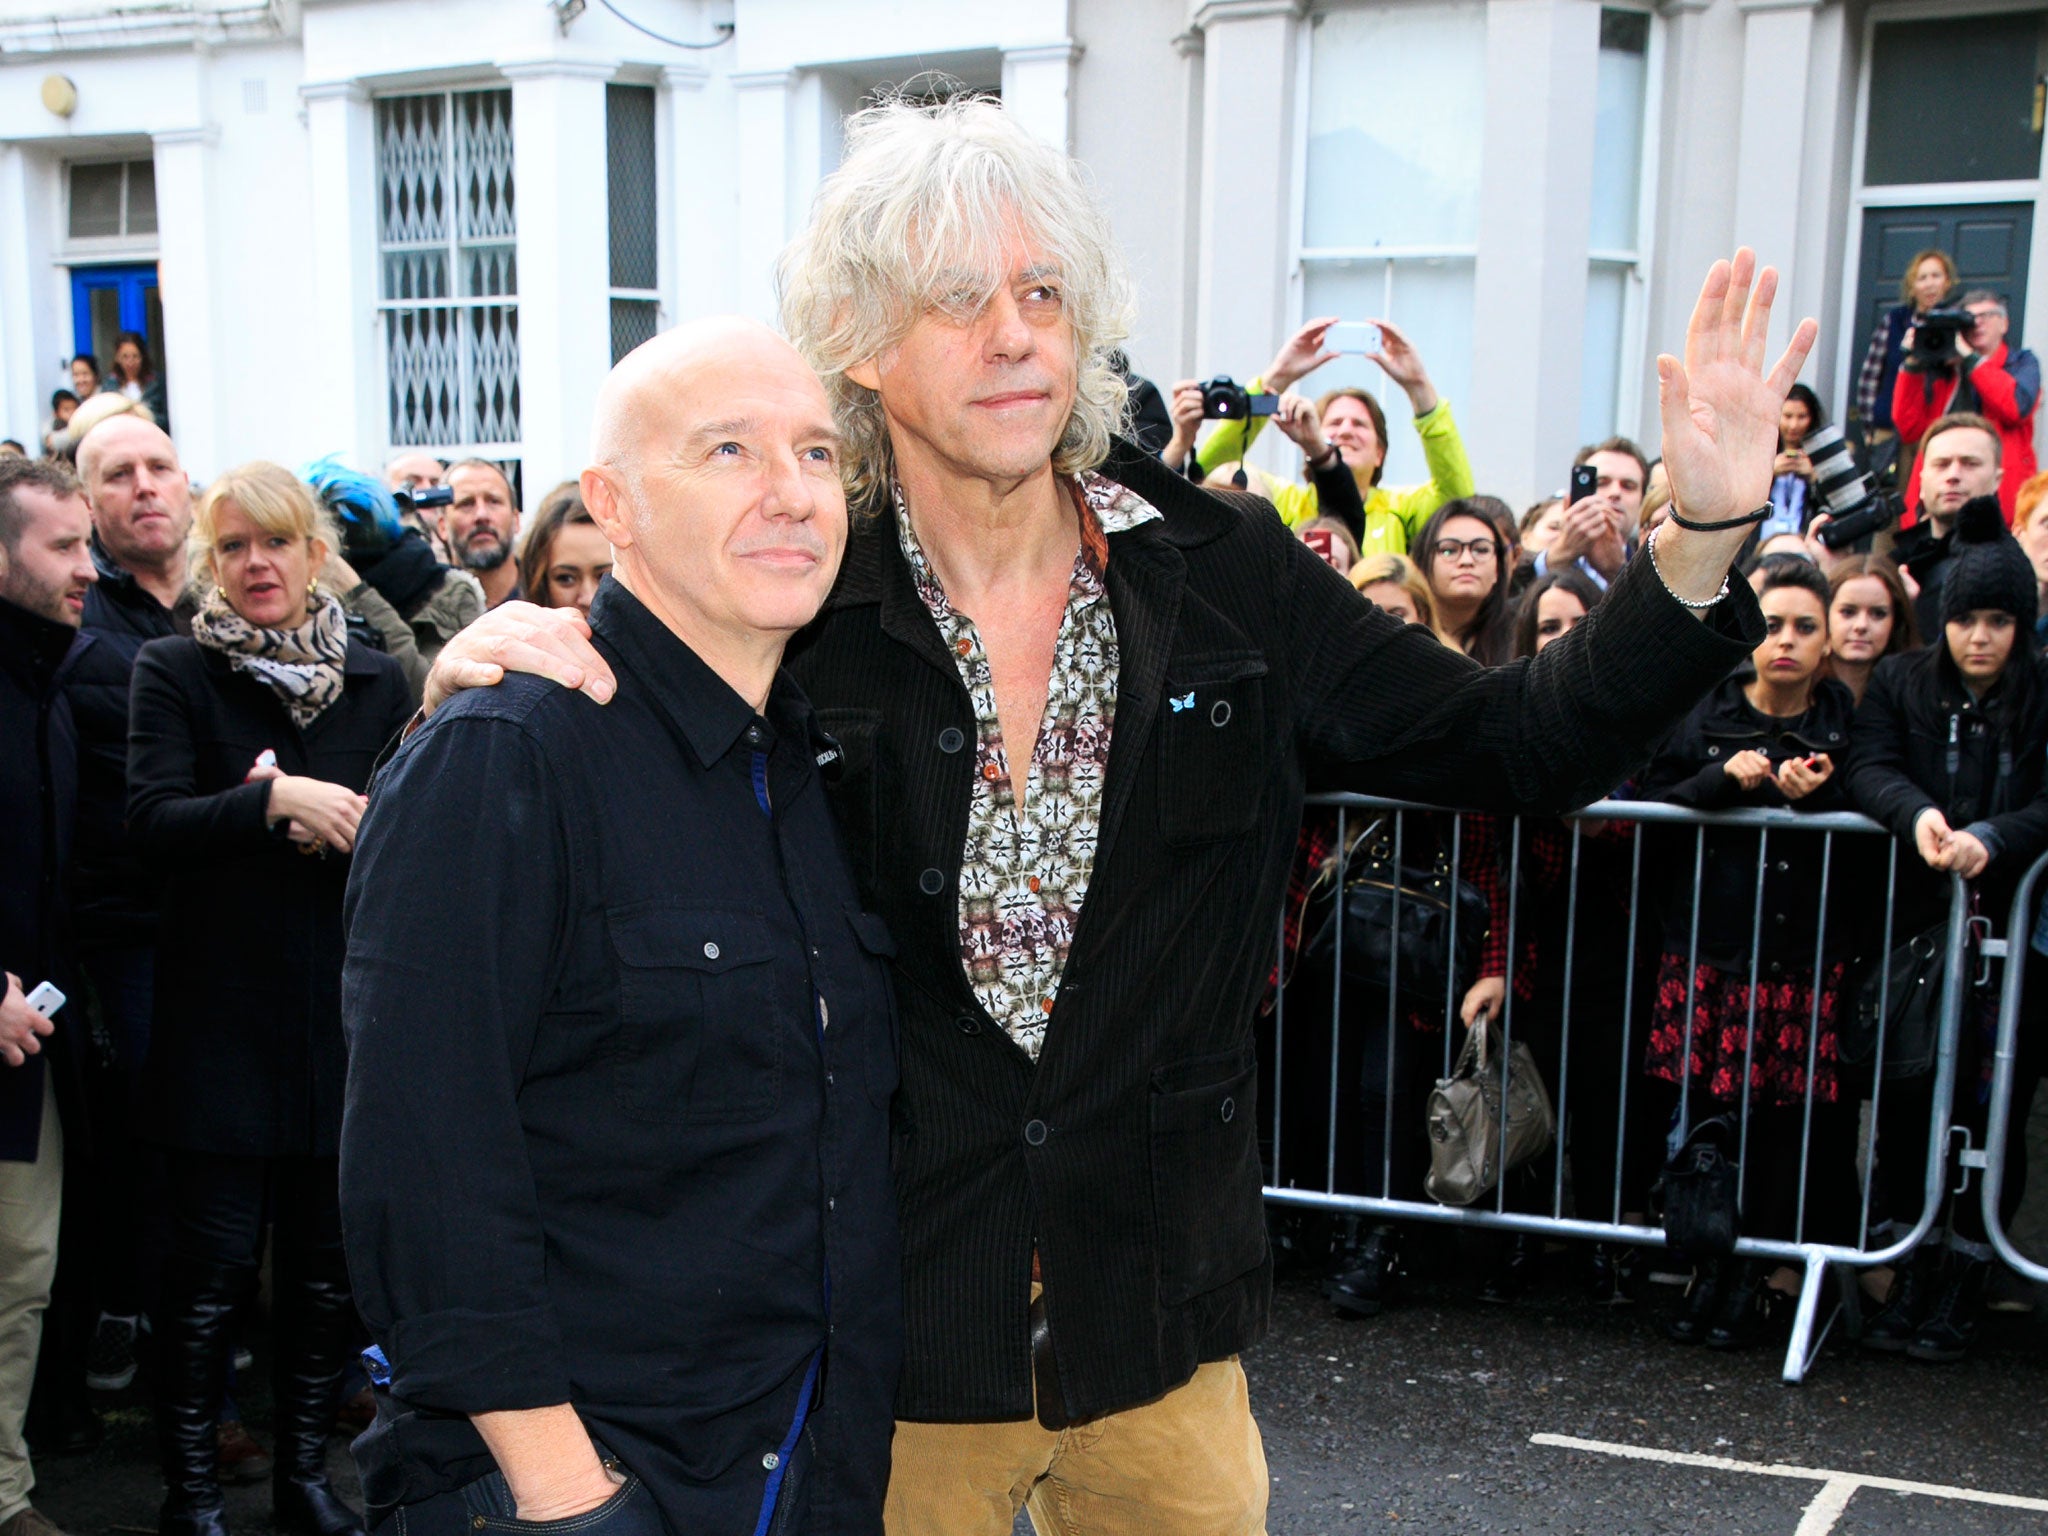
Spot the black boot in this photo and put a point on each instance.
(1514, 1275)
(1897, 1322)
(1367, 1270)
(1951, 1323)
(1751, 1309)
(1695, 1315)
(316, 1337)
(190, 1370)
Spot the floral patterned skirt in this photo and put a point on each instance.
(1720, 1032)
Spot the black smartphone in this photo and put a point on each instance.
(1585, 481)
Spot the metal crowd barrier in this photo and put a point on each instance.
(1813, 1258)
(1999, 1126)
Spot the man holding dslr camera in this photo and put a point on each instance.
(1957, 361)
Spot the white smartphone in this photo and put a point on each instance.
(1353, 338)
(46, 999)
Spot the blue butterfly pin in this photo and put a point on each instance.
(1185, 701)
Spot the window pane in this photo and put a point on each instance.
(1953, 100)
(1395, 124)
(490, 338)
(1600, 378)
(412, 172)
(483, 165)
(633, 321)
(630, 188)
(1432, 303)
(141, 197)
(95, 201)
(1618, 128)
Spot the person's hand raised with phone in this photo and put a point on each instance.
(1399, 360)
(1299, 356)
(1591, 532)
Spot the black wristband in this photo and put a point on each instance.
(1743, 521)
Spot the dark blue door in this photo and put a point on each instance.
(108, 300)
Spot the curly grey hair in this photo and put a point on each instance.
(924, 194)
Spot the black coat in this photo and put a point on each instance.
(1690, 769)
(39, 793)
(114, 896)
(1128, 1155)
(1993, 782)
(245, 1052)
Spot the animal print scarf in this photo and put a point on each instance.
(301, 666)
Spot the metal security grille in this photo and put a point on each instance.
(448, 271)
(632, 189)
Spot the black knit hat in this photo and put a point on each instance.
(1987, 568)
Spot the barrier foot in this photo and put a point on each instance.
(1804, 1346)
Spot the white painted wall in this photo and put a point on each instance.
(1131, 130)
(1185, 112)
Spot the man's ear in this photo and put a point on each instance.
(868, 375)
(604, 495)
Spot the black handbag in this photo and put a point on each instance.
(1905, 992)
(1702, 1183)
(1397, 920)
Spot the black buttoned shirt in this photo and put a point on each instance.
(622, 1048)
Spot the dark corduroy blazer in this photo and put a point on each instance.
(1128, 1154)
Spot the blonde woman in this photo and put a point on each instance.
(250, 746)
(1396, 583)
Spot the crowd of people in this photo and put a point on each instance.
(202, 757)
(1870, 658)
(199, 684)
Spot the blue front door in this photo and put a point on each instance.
(106, 301)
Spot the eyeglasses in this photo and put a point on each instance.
(1455, 550)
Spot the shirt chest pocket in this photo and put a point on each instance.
(1213, 759)
(702, 1014)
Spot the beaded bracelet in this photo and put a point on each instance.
(1650, 547)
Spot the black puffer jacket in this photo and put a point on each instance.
(1922, 740)
(1691, 769)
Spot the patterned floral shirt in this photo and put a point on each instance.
(1024, 872)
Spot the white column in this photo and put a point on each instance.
(346, 393)
(23, 400)
(185, 237)
(1535, 228)
(697, 221)
(764, 220)
(559, 154)
(1243, 243)
(1038, 89)
(1777, 52)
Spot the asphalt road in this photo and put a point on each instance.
(1425, 1419)
(1421, 1420)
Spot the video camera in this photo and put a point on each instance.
(1224, 399)
(1856, 508)
(1934, 339)
(419, 498)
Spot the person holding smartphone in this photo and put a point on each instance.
(1736, 997)
(1348, 427)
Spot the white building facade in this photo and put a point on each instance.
(357, 226)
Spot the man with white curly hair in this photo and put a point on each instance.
(1079, 702)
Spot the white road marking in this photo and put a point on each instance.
(1837, 1488)
(1827, 1507)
